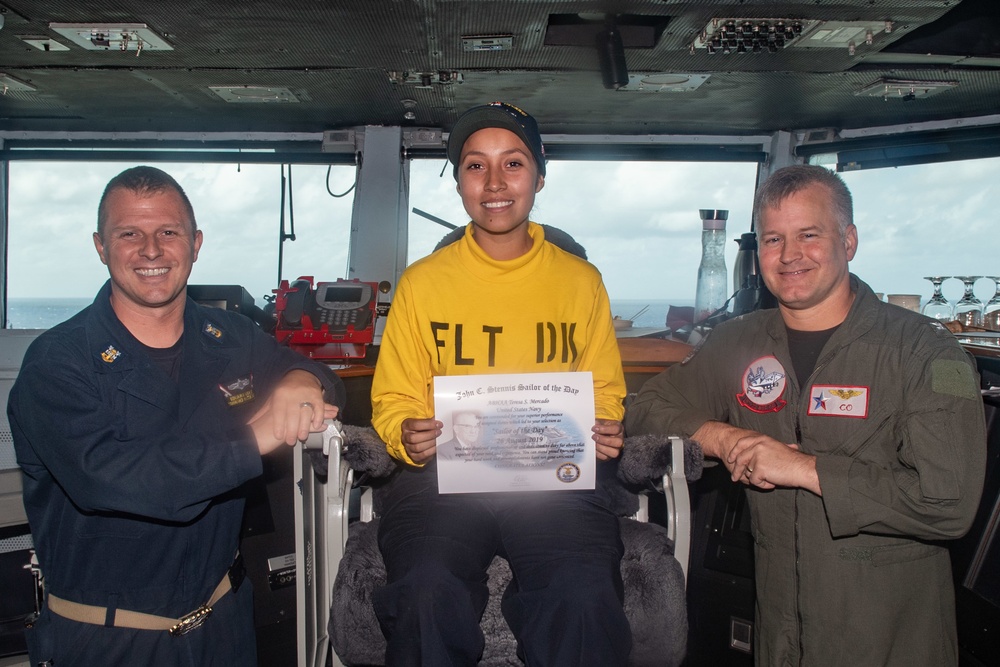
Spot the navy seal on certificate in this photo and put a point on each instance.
(516, 432)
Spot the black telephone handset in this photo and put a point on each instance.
(297, 303)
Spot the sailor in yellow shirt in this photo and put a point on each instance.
(501, 299)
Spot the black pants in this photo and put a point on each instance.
(564, 605)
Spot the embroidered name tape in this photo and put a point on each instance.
(239, 391)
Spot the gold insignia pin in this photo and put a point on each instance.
(845, 394)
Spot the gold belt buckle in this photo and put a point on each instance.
(191, 621)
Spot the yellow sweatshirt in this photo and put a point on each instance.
(460, 312)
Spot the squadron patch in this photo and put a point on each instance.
(838, 401)
(110, 355)
(212, 330)
(239, 391)
(763, 386)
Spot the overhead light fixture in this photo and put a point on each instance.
(136, 37)
(255, 94)
(611, 53)
(747, 35)
(409, 105)
(842, 34)
(664, 82)
(43, 43)
(904, 89)
(10, 83)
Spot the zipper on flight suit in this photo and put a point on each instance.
(820, 363)
(798, 593)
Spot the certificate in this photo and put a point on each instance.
(519, 432)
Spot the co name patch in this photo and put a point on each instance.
(838, 401)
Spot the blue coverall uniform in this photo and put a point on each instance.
(132, 480)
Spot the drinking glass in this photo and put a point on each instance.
(969, 309)
(938, 306)
(991, 313)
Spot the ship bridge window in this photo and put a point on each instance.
(639, 222)
(927, 220)
(53, 270)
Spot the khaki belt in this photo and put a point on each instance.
(123, 618)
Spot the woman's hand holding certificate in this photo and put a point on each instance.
(609, 437)
(420, 438)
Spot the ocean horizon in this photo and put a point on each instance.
(43, 313)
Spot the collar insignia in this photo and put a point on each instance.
(110, 355)
(212, 330)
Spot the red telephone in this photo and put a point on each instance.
(334, 320)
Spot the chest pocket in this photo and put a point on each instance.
(868, 439)
(139, 406)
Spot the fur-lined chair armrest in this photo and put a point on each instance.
(366, 453)
(647, 457)
(644, 460)
(644, 457)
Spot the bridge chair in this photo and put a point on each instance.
(339, 565)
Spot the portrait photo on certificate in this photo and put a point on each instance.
(515, 432)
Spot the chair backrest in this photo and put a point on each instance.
(655, 574)
(553, 235)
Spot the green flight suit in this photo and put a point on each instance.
(893, 414)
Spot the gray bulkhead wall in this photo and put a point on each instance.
(4, 199)
(381, 206)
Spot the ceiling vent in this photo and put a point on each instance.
(339, 141)
(663, 82)
(426, 79)
(487, 42)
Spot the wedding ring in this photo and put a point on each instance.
(307, 404)
(749, 470)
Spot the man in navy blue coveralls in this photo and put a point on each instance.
(136, 423)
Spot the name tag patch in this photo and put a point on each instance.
(238, 392)
(838, 401)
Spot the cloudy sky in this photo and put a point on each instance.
(639, 222)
